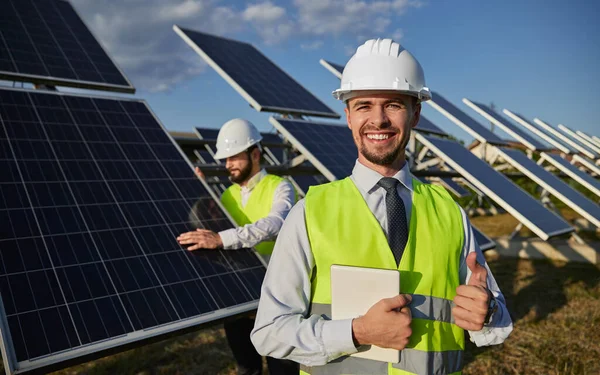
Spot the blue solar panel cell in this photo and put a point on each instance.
(468, 123)
(330, 148)
(266, 86)
(581, 177)
(557, 187)
(428, 127)
(46, 41)
(498, 187)
(484, 242)
(90, 253)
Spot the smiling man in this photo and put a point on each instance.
(380, 217)
(259, 203)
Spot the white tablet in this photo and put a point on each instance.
(354, 290)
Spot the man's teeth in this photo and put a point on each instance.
(378, 136)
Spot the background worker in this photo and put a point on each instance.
(259, 203)
(380, 217)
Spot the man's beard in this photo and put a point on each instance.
(244, 174)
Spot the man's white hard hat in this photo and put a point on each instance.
(235, 136)
(382, 65)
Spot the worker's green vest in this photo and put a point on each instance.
(258, 206)
(342, 230)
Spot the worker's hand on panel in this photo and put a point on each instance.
(201, 239)
(472, 300)
(386, 324)
(199, 173)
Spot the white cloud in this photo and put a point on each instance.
(349, 17)
(398, 35)
(138, 34)
(312, 45)
(269, 21)
(265, 12)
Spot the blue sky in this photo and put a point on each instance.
(538, 58)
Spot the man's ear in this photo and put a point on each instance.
(416, 115)
(255, 155)
(347, 112)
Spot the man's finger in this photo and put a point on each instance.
(396, 302)
(194, 247)
(467, 316)
(478, 306)
(478, 272)
(472, 291)
(406, 310)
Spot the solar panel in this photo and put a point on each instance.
(454, 187)
(504, 192)
(262, 83)
(519, 119)
(587, 163)
(581, 177)
(588, 138)
(596, 139)
(491, 115)
(45, 41)
(428, 127)
(335, 69)
(330, 148)
(484, 242)
(569, 132)
(553, 184)
(550, 129)
(93, 193)
(463, 120)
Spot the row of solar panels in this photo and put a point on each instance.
(94, 192)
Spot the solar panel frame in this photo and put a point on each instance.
(486, 188)
(335, 69)
(464, 121)
(582, 178)
(503, 124)
(596, 139)
(550, 129)
(63, 81)
(95, 348)
(588, 138)
(569, 132)
(519, 119)
(485, 243)
(587, 163)
(553, 184)
(326, 111)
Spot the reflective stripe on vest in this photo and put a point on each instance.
(411, 361)
(421, 307)
(342, 230)
(258, 206)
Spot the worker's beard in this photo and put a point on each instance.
(243, 175)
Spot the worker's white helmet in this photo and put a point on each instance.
(382, 65)
(235, 136)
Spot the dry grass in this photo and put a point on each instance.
(555, 307)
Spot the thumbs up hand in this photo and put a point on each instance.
(472, 300)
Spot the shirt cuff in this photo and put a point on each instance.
(337, 338)
(229, 238)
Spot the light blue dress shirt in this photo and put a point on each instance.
(283, 328)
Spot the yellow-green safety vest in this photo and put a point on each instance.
(258, 206)
(342, 230)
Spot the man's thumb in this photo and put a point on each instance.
(479, 273)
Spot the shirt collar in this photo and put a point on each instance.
(254, 180)
(366, 179)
